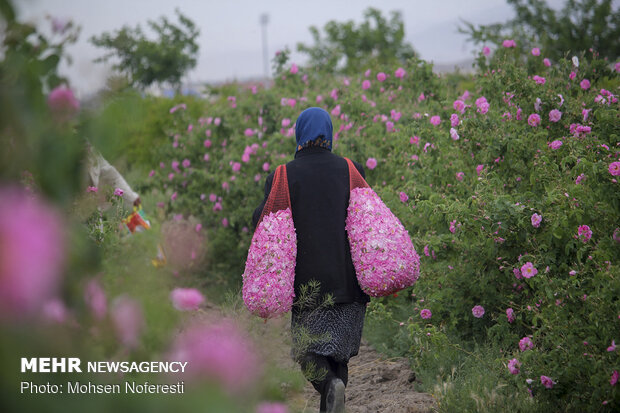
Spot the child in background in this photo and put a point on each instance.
(103, 175)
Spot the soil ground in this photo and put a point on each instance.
(377, 384)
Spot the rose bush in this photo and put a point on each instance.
(514, 201)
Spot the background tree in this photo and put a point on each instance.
(577, 27)
(347, 46)
(146, 62)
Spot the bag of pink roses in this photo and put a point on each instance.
(268, 279)
(384, 257)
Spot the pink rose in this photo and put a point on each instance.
(579, 179)
(517, 273)
(459, 105)
(454, 120)
(536, 220)
(454, 134)
(614, 168)
(185, 299)
(453, 226)
(555, 115)
(271, 407)
(220, 352)
(510, 314)
(381, 76)
(528, 270)
(513, 366)
(32, 253)
(555, 144)
(547, 382)
(95, 298)
(478, 311)
(371, 163)
(128, 320)
(585, 233)
(526, 344)
(585, 84)
(62, 103)
(426, 314)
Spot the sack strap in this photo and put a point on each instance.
(355, 178)
(279, 197)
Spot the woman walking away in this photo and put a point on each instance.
(318, 182)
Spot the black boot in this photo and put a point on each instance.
(335, 396)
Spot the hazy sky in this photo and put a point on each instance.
(230, 34)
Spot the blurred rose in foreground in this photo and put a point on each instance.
(186, 299)
(128, 321)
(184, 247)
(32, 252)
(220, 352)
(63, 103)
(55, 311)
(267, 407)
(95, 298)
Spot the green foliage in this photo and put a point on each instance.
(472, 233)
(348, 47)
(28, 71)
(128, 127)
(43, 157)
(160, 61)
(579, 26)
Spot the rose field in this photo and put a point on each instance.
(505, 179)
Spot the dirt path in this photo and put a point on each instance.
(376, 384)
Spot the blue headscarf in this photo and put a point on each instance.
(314, 128)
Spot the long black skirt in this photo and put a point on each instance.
(333, 331)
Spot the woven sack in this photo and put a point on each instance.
(384, 257)
(268, 279)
